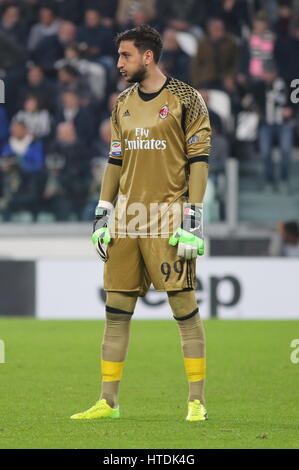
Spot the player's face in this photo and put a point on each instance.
(131, 62)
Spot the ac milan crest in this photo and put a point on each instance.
(163, 113)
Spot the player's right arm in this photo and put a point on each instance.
(109, 190)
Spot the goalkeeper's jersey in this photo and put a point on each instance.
(155, 137)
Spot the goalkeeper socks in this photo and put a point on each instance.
(193, 346)
(114, 351)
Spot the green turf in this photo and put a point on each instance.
(52, 371)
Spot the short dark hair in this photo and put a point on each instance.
(33, 96)
(144, 37)
(47, 5)
(70, 70)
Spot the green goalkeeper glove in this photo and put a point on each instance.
(101, 234)
(189, 236)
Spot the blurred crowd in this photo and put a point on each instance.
(58, 63)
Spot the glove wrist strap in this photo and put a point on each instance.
(193, 210)
(104, 208)
(193, 219)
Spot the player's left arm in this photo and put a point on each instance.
(189, 236)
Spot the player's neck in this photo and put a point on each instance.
(153, 82)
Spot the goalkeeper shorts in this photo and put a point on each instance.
(134, 263)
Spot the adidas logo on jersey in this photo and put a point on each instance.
(126, 113)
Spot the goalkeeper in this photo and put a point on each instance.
(159, 154)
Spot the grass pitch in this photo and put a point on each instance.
(52, 371)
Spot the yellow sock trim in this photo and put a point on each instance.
(112, 371)
(195, 368)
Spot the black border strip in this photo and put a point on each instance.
(117, 310)
(190, 315)
(203, 158)
(114, 161)
(183, 118)
(188, 274)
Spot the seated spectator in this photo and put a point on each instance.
(77, 156)
(217, 59)
(22, 161)
(276, 126)
(270, 9)
(70, 10)
(41, 87)
(51, 48)
(70, 79)
(234, 13)
(107, 7)
(94, 73)
(37, 120)
(12, 54)
(55, 188)
(81, 116)
(18, 189)
(127, 8)
(181, 16)
(12, 26)
(47, 26)
(97, 37)
(285, 241)
(21, 144)
(139, 15)
(68, 145)
(66, 33)
(174, 60)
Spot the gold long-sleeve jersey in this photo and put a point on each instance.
(155, 137)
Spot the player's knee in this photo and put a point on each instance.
(182, 303)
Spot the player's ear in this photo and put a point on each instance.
(148, 55)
